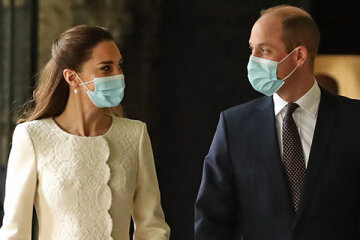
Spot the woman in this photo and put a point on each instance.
(85, 170)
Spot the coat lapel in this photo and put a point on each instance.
(327, 116)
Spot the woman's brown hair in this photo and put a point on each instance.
(71, 50)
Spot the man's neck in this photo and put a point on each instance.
(294, 89)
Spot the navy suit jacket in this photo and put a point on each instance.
(244, 192)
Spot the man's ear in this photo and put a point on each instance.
(301, 55)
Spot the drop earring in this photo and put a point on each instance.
(75, 91)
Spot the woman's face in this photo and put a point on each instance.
(105, 60)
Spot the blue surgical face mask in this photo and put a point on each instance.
(109, 91)
(262, 74)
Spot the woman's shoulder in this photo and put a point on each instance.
(35, 123)
(128, 122)
(41, 125)
(128, 128)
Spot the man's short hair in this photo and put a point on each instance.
(298, 28)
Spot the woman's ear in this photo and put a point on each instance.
(301, 56)
(71, 77)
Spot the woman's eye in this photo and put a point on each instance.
(264, 50)
(121, 64)
(105, 68)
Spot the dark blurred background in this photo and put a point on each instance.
(185, 62)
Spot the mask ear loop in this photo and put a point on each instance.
(82, 83)
(290, 73)
(293, 69)
(287, 56)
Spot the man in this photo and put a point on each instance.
(287, 165)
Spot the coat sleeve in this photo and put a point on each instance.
(20, 188)
(147, 212)
(215, 209)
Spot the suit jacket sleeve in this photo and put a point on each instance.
(147, 212)
(20, 188)
(215, 210)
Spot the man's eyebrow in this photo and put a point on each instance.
(261, 45)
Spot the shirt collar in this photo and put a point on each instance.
(309, 101)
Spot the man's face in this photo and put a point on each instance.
(265, 42)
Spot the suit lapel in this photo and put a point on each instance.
(327, 116)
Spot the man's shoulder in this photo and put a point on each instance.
(343, 101)
(249, 107)
(348, 101)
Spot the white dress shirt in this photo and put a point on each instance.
(305, 117)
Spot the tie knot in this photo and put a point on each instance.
(290, 108)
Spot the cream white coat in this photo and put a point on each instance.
(82, 187)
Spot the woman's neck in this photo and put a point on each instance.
(83, 118)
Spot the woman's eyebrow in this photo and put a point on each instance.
(106, 62)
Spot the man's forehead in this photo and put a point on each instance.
(267, 27)
(270, 21)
